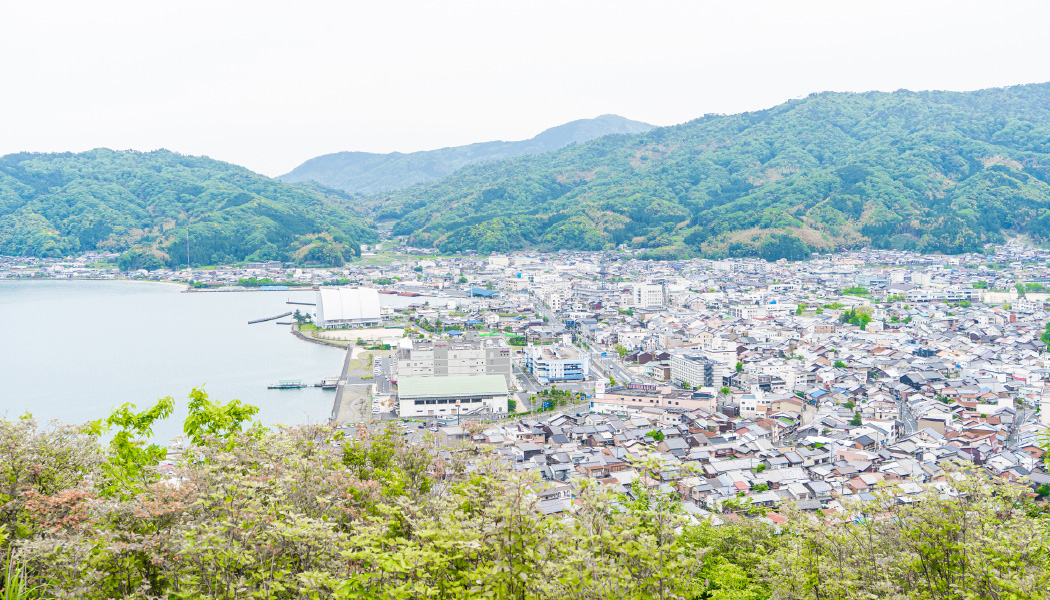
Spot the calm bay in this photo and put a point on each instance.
(75, 350)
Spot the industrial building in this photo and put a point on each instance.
(557, 363)
(451, 396)
(347, 306)
(446, 357)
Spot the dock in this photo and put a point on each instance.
(269, 318)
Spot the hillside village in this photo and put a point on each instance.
(750, 385)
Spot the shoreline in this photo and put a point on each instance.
(4, 280)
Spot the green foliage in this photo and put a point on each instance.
(209, 420)
(739, 367)
(859, 316)
(856, 291)
(657, 435)
(255, 282)
(856, 420)
(314, 513)
(933, 171)
(131, 459)
(839, 364)
(146, 205)
(981, 285)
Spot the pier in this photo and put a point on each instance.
(300, 303)
(269, 318)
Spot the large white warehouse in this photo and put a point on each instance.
(338, 306)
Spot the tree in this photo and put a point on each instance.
(130, 463)
(739, 366)
(621, 351)
(839, 364)
(856, 420)
(209, 420)
(725, 391)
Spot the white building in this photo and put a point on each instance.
(557, 363)
(694, 369)
(647, 295)
(451, 396)
(341, 306)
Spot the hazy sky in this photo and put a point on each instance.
(270, 84)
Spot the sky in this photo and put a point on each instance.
(268, 85)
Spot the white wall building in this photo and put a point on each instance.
(339, 306)
(647, 295)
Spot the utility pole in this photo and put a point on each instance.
(188, 219)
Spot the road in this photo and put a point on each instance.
(910, 424)
(601, 366)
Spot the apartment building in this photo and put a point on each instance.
(694, 369)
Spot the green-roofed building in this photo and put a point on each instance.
(451, 396)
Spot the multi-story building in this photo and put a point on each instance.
(557, 363)
(444, 358)
(647, 295)
(693, 369)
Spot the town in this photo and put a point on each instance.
(753, 385)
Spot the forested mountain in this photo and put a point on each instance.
(141, 203)
(368, 173)
(929, 171)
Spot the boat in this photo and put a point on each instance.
(409, 294)
(387, 291)
(287, 384)
(328, 383)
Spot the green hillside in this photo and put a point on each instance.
(368, 173)
(929, 171)
(139, 204)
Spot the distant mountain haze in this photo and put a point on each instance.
(370, 173)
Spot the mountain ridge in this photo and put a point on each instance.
(929, 171)
(367, 172)
(145, 204)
